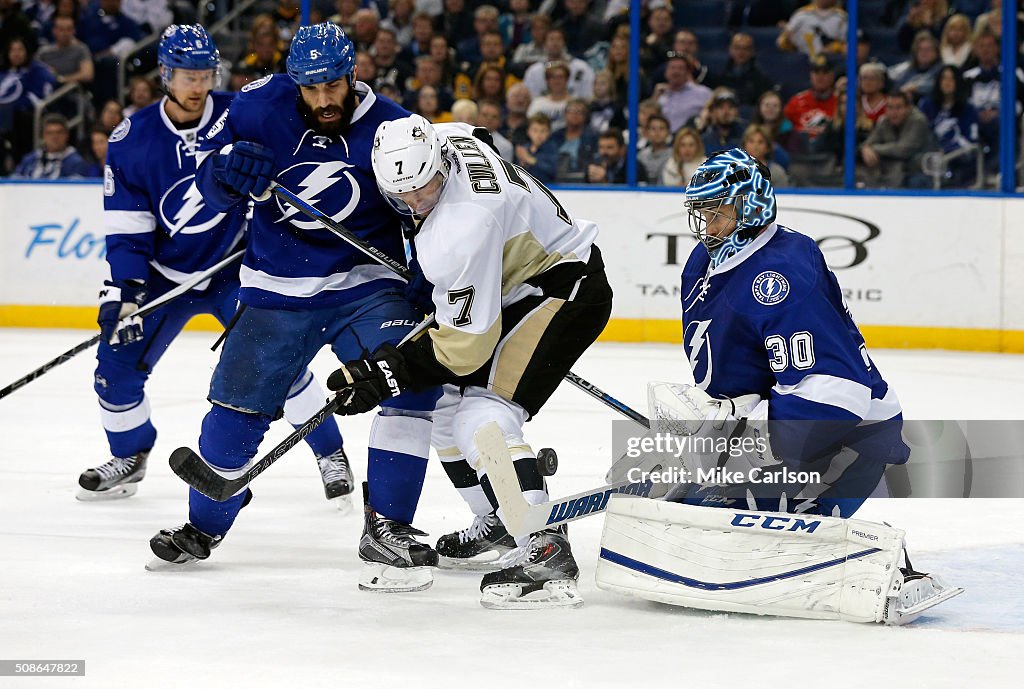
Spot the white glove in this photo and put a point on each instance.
(687, 410)
(683, 409)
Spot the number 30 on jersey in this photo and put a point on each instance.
(798, 351)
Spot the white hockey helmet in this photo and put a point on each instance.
(406, 157)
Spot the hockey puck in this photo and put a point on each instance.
(547, 461)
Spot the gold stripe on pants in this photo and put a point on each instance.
(515, 351)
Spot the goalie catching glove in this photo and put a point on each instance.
(683, 409)
(363, 384)
(686, 410)
(119, 299)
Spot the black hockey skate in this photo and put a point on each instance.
(478, 547)
(395, 562)
(117, 478)
(180, 546)
(545, 579)
(336, 473)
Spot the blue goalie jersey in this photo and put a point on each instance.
(155, 217)
(772, 320)
(292, 262)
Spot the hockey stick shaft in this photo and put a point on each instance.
(193, 470)
(338, 229)
(522, 518)
(143, 311)
(608, 400)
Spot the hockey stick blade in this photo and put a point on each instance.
(522, 518)
(193, 470)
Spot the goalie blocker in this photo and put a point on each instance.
(764, 563)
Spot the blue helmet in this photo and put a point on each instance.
(730, 178)
(186, 46)
(319, 54)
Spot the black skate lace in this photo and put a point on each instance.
(386, 534)
(481, 526)
(333, 467)
(117, 466)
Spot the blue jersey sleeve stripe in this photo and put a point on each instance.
(309, 286)
(129, 222)
(832, 390)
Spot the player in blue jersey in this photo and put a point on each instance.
(770, 339)
(160, 233)
(312, 130)
(763, 520)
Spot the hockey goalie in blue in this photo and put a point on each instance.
(770, 340)
(160, 233)
(782, 374)
(303, 288)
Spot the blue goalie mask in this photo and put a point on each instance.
(733, 179)
(186, 46)
(320, 54)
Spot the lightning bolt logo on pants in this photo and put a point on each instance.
(321, 178)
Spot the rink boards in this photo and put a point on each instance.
(935, 271)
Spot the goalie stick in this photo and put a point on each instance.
(193, 469)
(143, 311)
(286, 196)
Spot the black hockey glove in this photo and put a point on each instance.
(362, 384)
(119, 299)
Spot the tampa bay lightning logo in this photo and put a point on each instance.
(770, 288)
(253, 85)
(182, 209)
(327, 186)
(120, 131)
(698, 346)
(11, 88)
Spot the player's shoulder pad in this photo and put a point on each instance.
(121, 131)
(267, 88)
(783, 272)
(140, 121)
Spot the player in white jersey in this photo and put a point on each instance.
(520, 293)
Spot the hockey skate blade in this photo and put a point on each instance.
(908, 615)
(484, 562)
(344, 504)
(377, 577)
(557, 593)
(125, 490)
(158, 564)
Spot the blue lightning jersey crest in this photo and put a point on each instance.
(155, 217)
(292, 261)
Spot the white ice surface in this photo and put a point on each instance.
(277, 605)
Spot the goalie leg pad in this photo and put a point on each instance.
(764, 563)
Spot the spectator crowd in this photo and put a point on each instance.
(550, 80)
